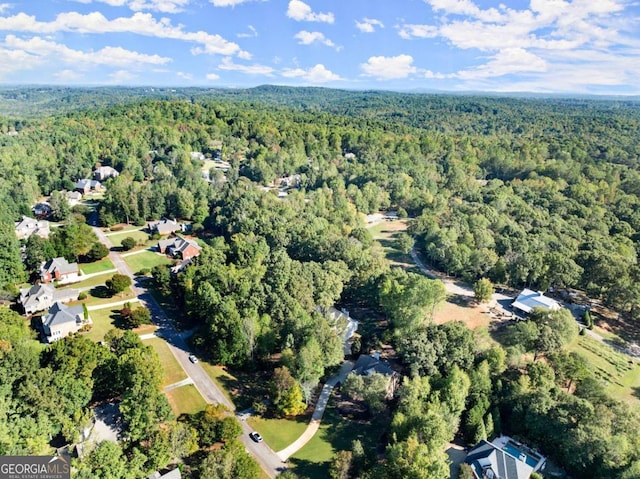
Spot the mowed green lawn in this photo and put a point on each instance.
(335, 434)
(93, 281)
(619, 373)
(108, 318)
(185, 400)
(138, 235)
(97, 266)
(145, 260)
(220, 376)
(279, 433)
(173, 371)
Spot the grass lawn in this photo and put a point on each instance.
(125, 229)
(173, 371)
(619, 373)
(138, 235)
(220, 376)
(97, 266)
(109, 318)
(279, 433)
(101, 295)
(185, 400)
(336, 433)
(145, 260)
(386, 233)
(93, 281)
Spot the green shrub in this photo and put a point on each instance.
(82, 296)
(116, 228)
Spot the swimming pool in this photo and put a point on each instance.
(514, 451)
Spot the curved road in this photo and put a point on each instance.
(268, 460)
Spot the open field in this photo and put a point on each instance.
(173, 371)
(101, 295)
(618, 372)
(97, 267)
(386, 233)
(145, 260)
(185, 400)
(459, 308)
(279, 433)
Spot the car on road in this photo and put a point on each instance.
(193, 359)
(255, 436)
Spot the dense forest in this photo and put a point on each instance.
(533, 193)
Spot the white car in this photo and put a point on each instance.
(193, 359)
(255, 436)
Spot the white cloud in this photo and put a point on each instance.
(4, 6)
(228, 3)
(367, 25)
(255, 69)
(68, 76)
(16, 60)
(505, 62)
(139, 23)
(389, 68)
(307, 38)
(300, 11)
(316, 74)
(212, 76)
(409, 31)
(108, 56)
(252, 29)
(164, 6)
(121, 77)
(186, 76)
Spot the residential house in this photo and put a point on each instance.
(104, 172)
(59, 269)
(74, 197)
(367, 365)
(41, 210)
(62, 320)
(86, 186)
(503, 458)
(165, 227)
(179, 247)
(174, 474)
(31, 226)
(42, 296)
(196, 155)
(528, 299)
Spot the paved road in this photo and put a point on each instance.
(268, 460)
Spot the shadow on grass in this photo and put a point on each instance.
(636, 392)
(101, 292)
(247, 387)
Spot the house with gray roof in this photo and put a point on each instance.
(179, 247)
(42, 296)
(62, 320)
(367, 365)
(87, 185)
(59, 269)
(104, 172)
(165, 227)
(31, 226)
(174, 474)
(503, 458)
(528, 300)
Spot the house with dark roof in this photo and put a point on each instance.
(165, 227)
(503, 458)
(104, 172)
(62, 320)
(31, 226)
(41, 210)
(367, 365)
(527, 300)
(87, 185)
(59, 269)
(179, 247)
(42, 296)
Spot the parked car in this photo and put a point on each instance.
(255, 436)
(193, 359)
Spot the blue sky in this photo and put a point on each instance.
(547, 46)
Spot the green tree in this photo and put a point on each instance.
(60, 209)
(128, 243)
(11, 267)
(483, 290)
(286, 393)
(118, 283)
(341, 465)
(97, 252)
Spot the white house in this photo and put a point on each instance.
(42, 296)
(528, 299)
(62, 320)
(30, 226)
